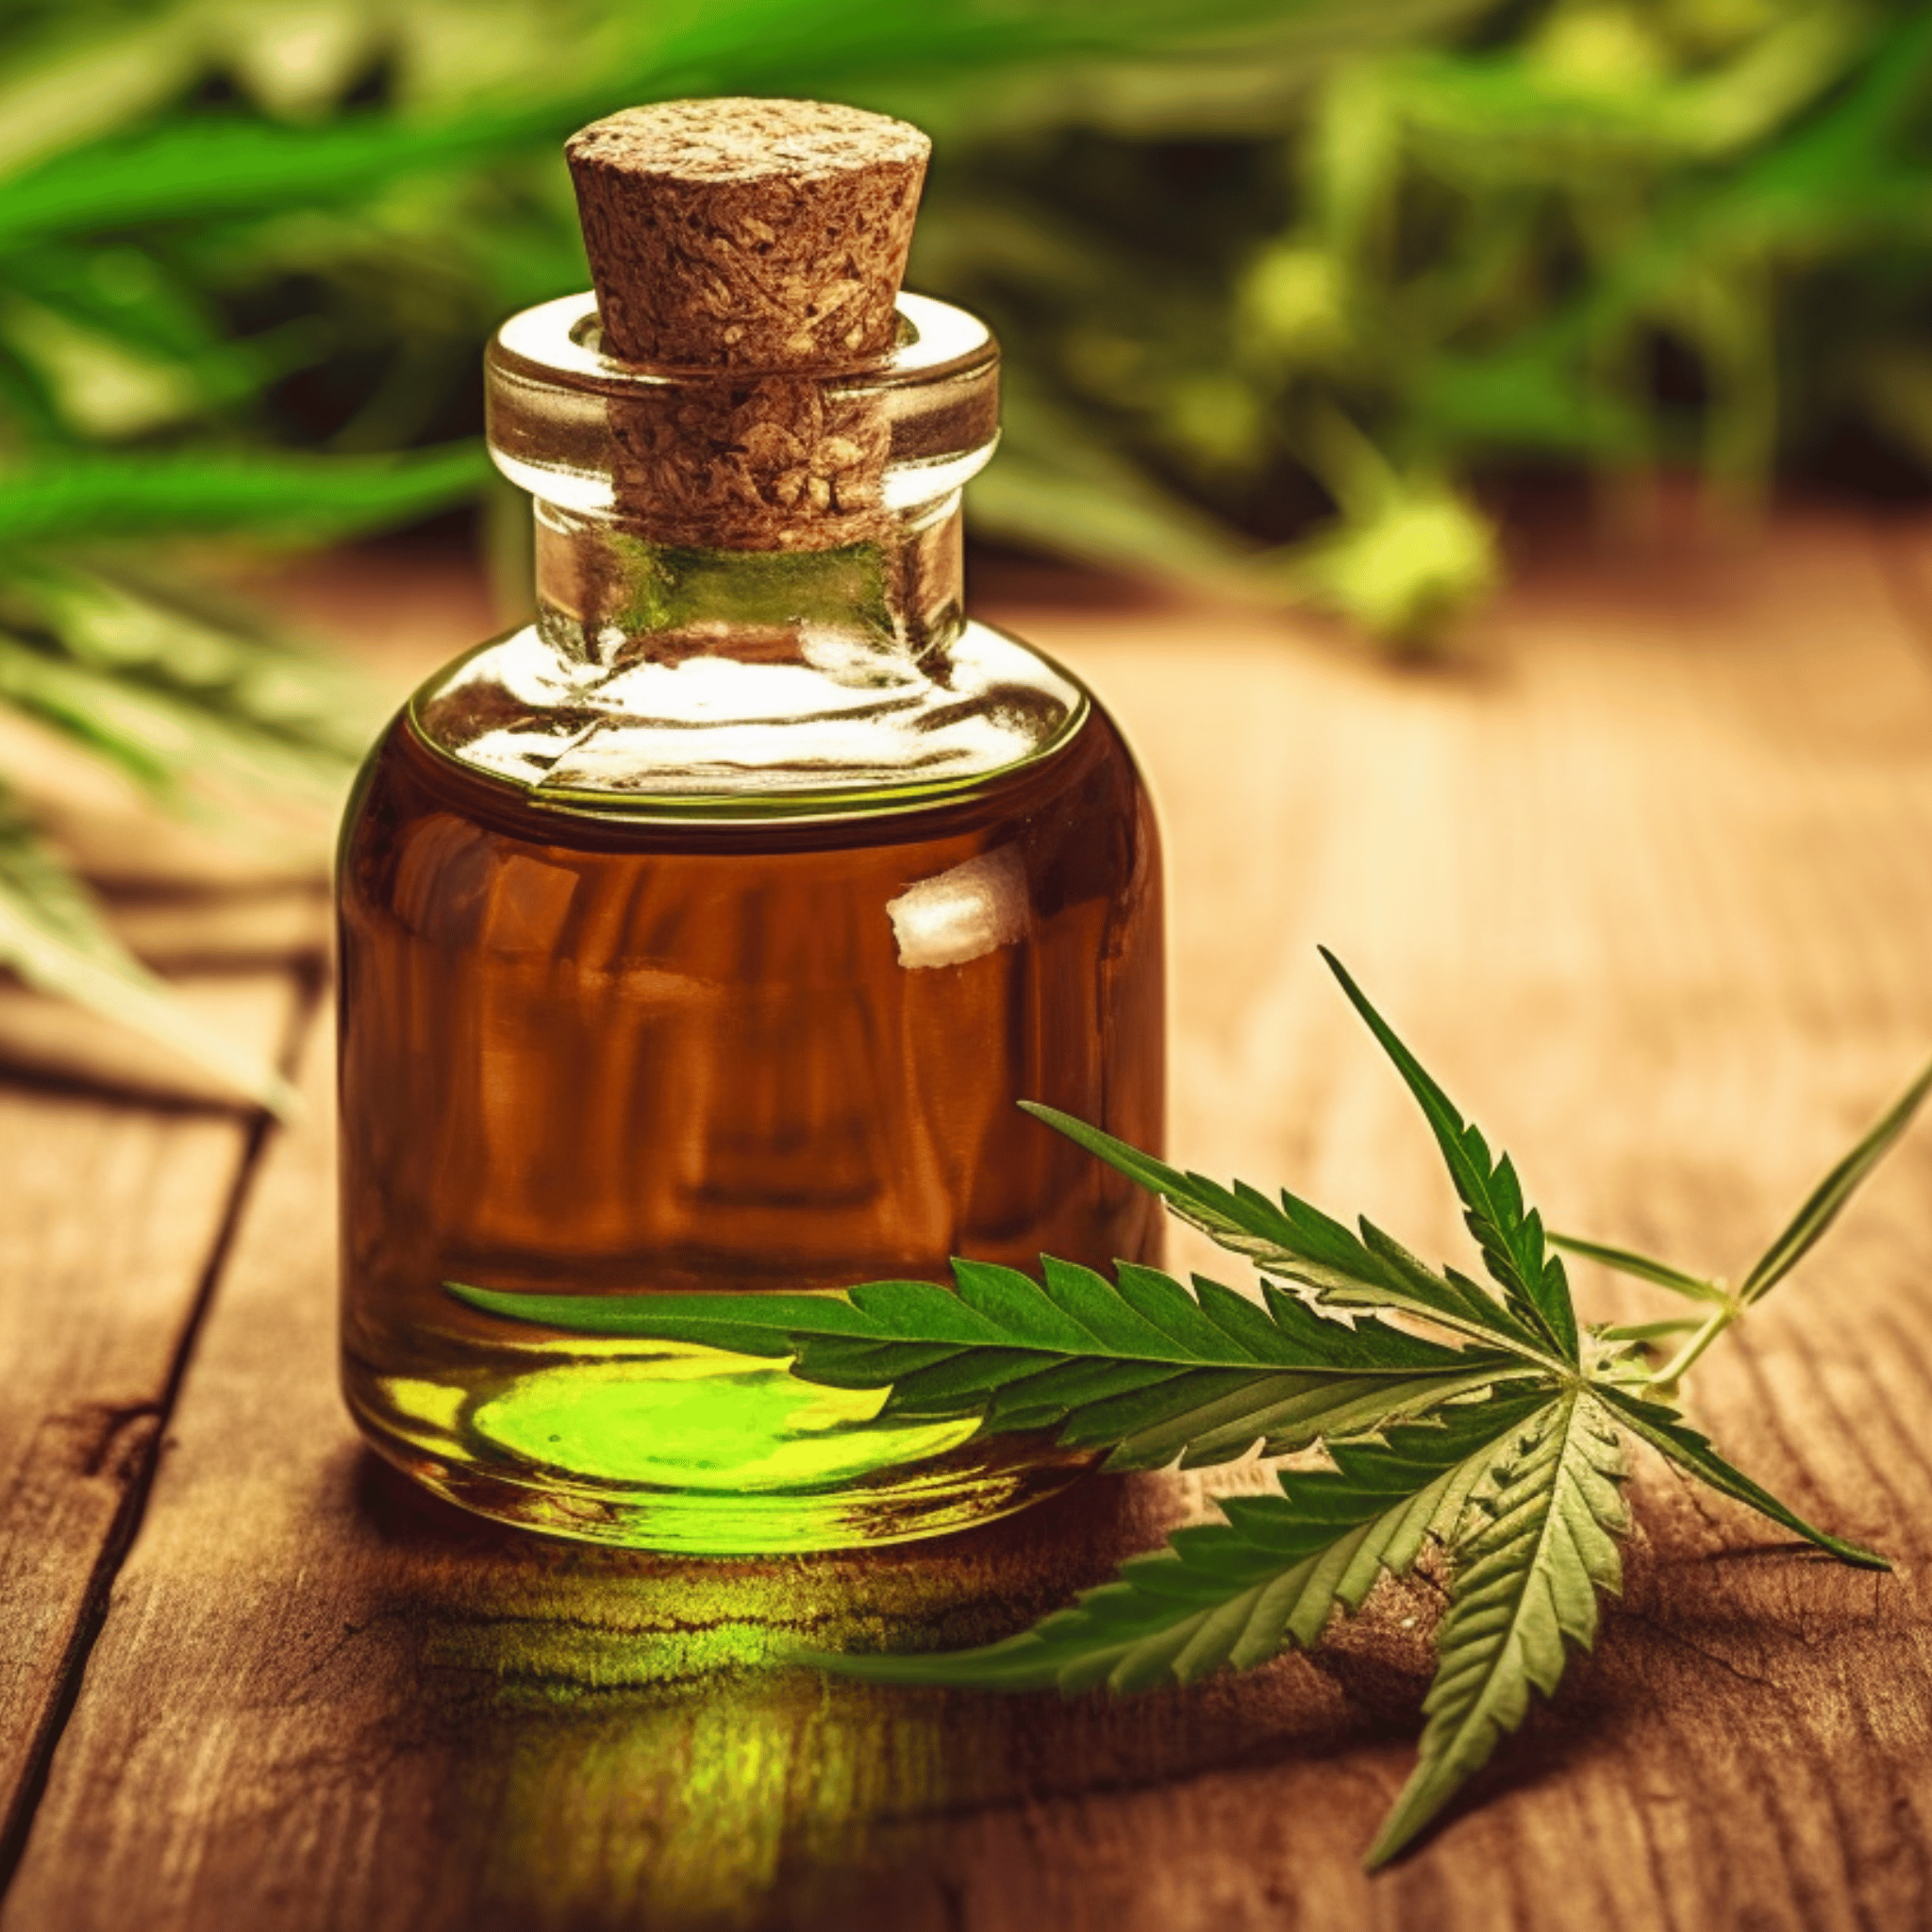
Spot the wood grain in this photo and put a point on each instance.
(1647, 883)
(112, 1216)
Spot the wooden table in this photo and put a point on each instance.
(1647, 879)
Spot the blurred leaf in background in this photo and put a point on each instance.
(1279, 281)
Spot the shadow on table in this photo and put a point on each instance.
(595, 1736)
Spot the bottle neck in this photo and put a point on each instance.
(609, 597)
(669, 680)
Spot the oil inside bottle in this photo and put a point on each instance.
(602, 1051)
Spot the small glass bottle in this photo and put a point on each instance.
(703, 933)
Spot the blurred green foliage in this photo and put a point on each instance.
(1278, 279)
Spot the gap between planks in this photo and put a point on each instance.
(127, 1439)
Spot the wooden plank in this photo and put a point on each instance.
(1646, 885)
(111, 1216)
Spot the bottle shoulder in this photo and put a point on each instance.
(794, 723)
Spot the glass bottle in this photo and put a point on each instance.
(702, 934)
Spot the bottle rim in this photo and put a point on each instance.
(549, 387)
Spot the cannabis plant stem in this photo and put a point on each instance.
(1667, 1378)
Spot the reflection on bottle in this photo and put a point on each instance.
(963, 913)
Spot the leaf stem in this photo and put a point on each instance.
(1667, 1378)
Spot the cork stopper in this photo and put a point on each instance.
(751, 251)
(747, 234)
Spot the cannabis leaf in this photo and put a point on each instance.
(1510, 1237)
(1538, 1541)
(1664, 1430)
(1341, 1269)
(1628, 1262)
(54, 938)
(1794, 1242)
(1138, 1367)
(1237, 1592)
(1822, 1205)
(1501, 1443)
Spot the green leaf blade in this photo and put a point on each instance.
(1510, 1238)
(1446, 1298)
(756, 1324)
(1237, 1592)
(1016, 1305)
(1643, 1267)
(1281, 1415)
(1540, 1542)
(1648, 1331)
(53, 937)
(1148, 1372)
(1296, 1242)
(1672, 1438)
(1827, 1200)
(85, 497)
